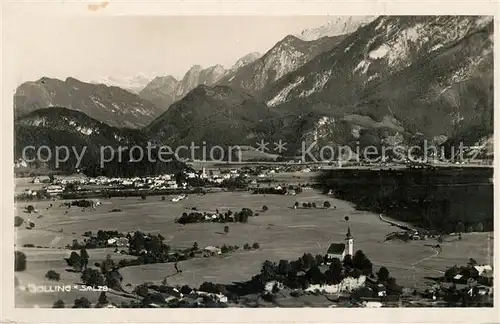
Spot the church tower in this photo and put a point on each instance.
(349, 242)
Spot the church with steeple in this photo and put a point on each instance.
(340, 250)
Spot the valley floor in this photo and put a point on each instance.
(282, 233)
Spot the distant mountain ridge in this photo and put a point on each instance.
(61, 127)
(217, 115)
(283, 58)
(339, 26)
(396, 80)
(112, 105)
(395, 77)
(133, 83)
(163, 91)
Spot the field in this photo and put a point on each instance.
(282, 232)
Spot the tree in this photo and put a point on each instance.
(392, 287)
(84, 257)
(92, 277)
(347, 262)
(327, 204)
(264, 208)
(58, 304)
(460, 227)
(313, 205)
(81, 303)
(255, 245)
(195, 246)
(52, 275)
(143, 197)
(319, 259)
(307, 261)
(113, 280)
(103, 299)
(70, 187)
(74, 261)
(315, 276)
(479, 227)
(284, 267)
(18, 221)
(304, 205)
(162, 197)
(224, 249)
(334, 273)
(268, 271)
(246, 246)
(19, 261)
(361, 262)
(296, 205)
(141, 290)
(226, 229)
(383, 274)
(30, 209)
(451, 273)
(107, 265)
(472, 262)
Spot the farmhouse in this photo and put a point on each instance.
(380, 290)
(211, 250)
(54, 190)
(340, 250)
(118, 241)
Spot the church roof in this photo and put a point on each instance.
(336, 248)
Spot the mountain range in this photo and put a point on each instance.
(112, 105)
(403, 75)
(391, 80)
(133, 83)
(338, 26)
(163, 91)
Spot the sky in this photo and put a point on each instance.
(90, 48)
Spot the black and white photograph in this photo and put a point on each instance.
(246, 161)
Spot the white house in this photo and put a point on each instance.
(118, 241)
(171, 184)
(21, 164)
(191, 175)
(340, 250)
(167, 177)
(54, 190)
(212, 250)
(381, 291)
(483, 268)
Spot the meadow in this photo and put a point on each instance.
(282, 233)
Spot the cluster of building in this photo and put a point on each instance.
(169, 295)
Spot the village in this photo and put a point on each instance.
(223, 203)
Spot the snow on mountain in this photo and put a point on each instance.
(247, 59)
(133, 83)
(163, 91)
(338, 26)
(283, 58)
(401, 74)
